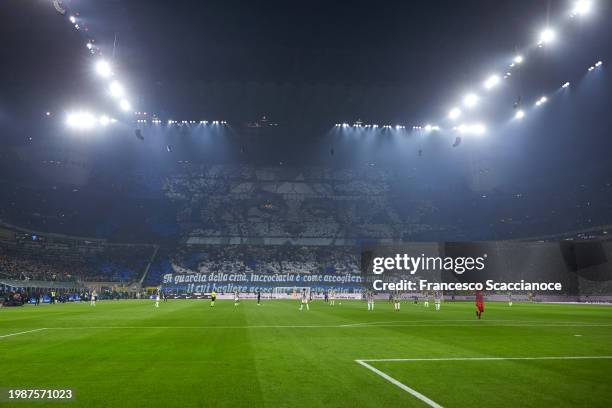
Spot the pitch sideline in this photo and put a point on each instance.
(430, 402)
(23, 332)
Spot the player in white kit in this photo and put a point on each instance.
(370, 299)
(94, 296)
(396, 302)
(426, 302)
(437, 299)
(236, 298)
(304, 300)
(332, 297)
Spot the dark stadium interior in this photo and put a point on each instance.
(280, 171)
(326, 203)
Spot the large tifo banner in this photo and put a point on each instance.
(552, 268)
(189, 281)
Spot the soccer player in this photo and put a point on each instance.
(332, 297)
(396, 302)
(94, 295)
(157, 298)
(370, 298)
(258, 297)
(426, 303)
(437, 299)
(236, 298)
(326, 296)
(510, 299)
(479, 304)
(213, 297)
(304, 300)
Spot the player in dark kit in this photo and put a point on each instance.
(258, 297)
(479, 304)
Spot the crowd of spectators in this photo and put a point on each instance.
(360, 202)
(71, 261)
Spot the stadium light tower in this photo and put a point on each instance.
(103, 69)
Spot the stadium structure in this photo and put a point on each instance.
(200, 203)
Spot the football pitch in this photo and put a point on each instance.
(187, 354)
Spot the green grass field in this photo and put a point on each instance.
(184, 354)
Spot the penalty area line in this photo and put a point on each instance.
(403, 386)
(23, 332)
(429, 401)
(488, 358)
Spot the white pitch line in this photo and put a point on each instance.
(476, 323)
(488, 358)
(482, 322)
(23, 332)
(404, 387)
(431, 403)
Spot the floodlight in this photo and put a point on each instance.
(454, 113)
(547, 35)
(72, 19)
(491, 82)
(565, 85)
(103, 69)
(519, 114)
(598, 64)
(478, 129)
(470, 100)
(518, 59)
(581, 8)
(80, 120)
(474, 128)
(104, 120)
(125, 105)
(116, 89)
